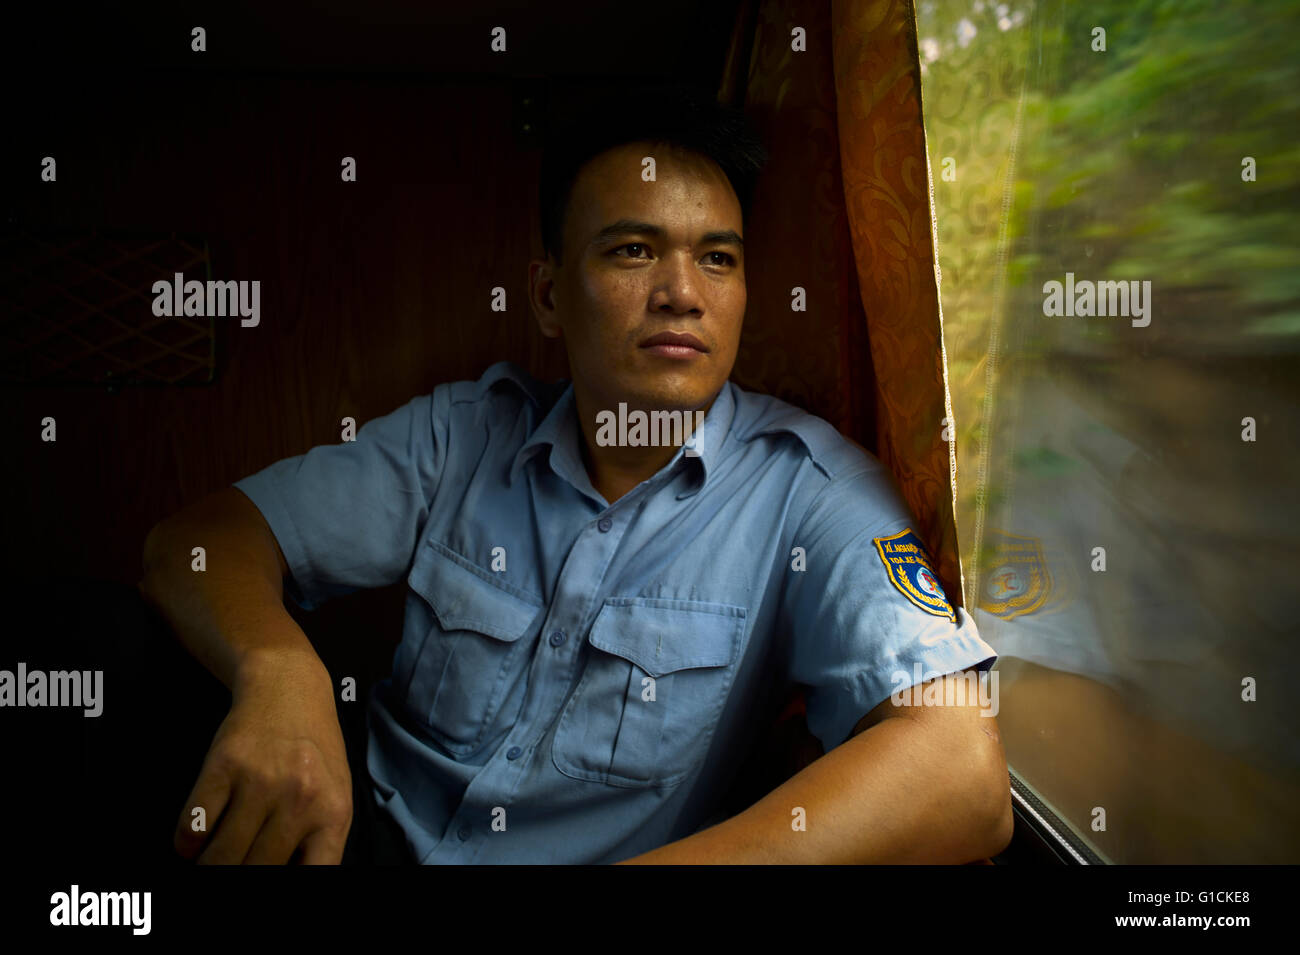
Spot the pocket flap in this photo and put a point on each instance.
(464, 598)
(661, 635)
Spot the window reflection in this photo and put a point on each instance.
(1125, 480)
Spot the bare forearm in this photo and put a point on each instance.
(897, 793)
(230, 615)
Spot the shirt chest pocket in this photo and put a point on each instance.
(655, 682)
(471, 654)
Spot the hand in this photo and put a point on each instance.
(275, 785)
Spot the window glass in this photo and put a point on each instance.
(1115, 188)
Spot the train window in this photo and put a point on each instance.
(1121, 311)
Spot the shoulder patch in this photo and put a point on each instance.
(911, 571)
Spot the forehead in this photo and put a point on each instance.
(609, 186)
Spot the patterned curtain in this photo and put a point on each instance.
(890, 212)
(844, 211)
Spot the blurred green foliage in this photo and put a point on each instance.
(1121, 165)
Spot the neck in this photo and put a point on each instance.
(616, 468)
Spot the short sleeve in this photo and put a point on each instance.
(348, 516)
(867, 617)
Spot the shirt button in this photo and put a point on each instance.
(557, 637)
(604, 524)
(463, 833)
(513, 752)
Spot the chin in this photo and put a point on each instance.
(682, 399)
(664, 389)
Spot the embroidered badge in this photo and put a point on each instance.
(911, 571)
(1020, 582)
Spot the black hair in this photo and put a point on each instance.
(686, 117)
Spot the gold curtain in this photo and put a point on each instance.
(844, 211)
(887, 194)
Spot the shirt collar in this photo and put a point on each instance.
(559, 429)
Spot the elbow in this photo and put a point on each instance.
(999, 819)
(1000, 822)
(149, 558)
(153, 541)
(159, 553)
(1003, 826)
(153, 556)
(990, 822)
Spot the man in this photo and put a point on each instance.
(592, 614)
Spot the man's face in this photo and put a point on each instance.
(641, 259)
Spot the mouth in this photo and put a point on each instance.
(675, 345)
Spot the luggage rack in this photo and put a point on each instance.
(77, 309)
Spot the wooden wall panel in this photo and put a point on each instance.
(372, 292)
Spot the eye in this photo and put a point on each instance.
(729, 259)
(630, 245)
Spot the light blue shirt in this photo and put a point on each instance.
(577, 681)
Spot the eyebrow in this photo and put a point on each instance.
(639, 227)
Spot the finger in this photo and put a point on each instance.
(276, 840)
(237, 828)
(211, 793)
(323, 847)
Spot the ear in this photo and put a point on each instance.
(541, 296)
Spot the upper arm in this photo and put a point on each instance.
(960, 732)
(957, 713)
(961, 701)
(230, 513)
(348, 516)
(877, 713)
(244, 504)
(867, 616)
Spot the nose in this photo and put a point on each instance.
(677, 289)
